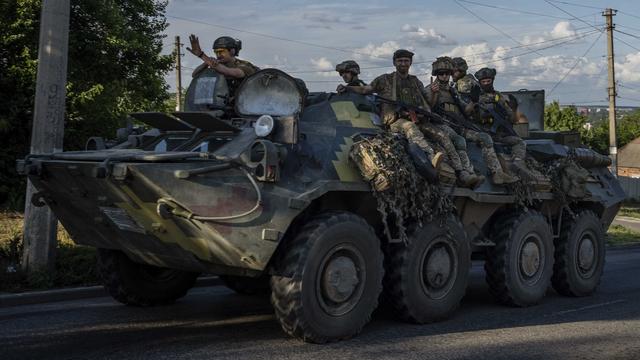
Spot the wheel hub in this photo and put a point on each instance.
(530, 259)
(586, 254)
(438, 268)
(340, 279)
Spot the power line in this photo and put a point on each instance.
(578, 5)
(629, 99)
(626, 43)
(625, 33)
(488, 23)
(550, 2)
(513, 10)
(632, 15)
(529, 52)
(273, 37)
(627, 27)
(522, 11)
(575, 64)
(574, 37)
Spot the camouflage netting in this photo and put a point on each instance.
(568, 178)
(402, 194)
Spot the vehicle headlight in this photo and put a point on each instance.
(263, 126)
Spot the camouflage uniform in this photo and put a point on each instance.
(496, 99)
(410, 91)
(455, 145)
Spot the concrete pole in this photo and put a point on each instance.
(178, 76)
(48, 128)
(613, 147)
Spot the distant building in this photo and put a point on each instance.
(629, 159)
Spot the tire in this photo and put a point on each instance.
(519, 267)
(328, 278)
(137, 284)
(579, 256)
(247, 285)
(426, 279)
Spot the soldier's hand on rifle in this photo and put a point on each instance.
(195, 46)
(341, 89)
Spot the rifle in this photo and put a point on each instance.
(413, 110)
(499, 117)
(500, 120)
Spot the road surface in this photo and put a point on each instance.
(215, 323)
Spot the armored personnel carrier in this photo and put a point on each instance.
(265, 196)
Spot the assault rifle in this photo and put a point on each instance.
(498, 115)
(500, 119)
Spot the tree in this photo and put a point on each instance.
(595, 136)
(115, 68)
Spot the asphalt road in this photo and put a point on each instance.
(213, 322)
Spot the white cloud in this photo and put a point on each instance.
(322, 64)
(384, 50)
(629, 69)
(562, 29)
(425, 37)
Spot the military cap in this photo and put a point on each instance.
(459, 64)
(485, 73)
(442, 65)
(348, 65)
(402, 53)
(227, 42)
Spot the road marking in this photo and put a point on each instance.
(589, 307)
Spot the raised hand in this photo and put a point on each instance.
(195, 46)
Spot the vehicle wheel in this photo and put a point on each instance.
(427, 278)
(579, 257)
(328, 278)
(137, 284)
(247, 285)
(519, 267)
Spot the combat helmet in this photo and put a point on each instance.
(485, 73)
(227, 42)
(459, 64)
(348, 65)
(441, 64)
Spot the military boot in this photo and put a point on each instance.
(467, 179)
(501, 177)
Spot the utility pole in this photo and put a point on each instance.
(613, 148)
(178, 76)
(40, 225)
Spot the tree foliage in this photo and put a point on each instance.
(114, 68)
(596, 135)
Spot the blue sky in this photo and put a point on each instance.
(532, 44)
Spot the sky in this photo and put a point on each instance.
(558, 46)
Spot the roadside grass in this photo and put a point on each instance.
(74, 266)
(630, 210)
(620, 235)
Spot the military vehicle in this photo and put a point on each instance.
(265, 191)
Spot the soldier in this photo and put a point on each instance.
(441, 100)
(349, 71)
(226, 50)
(464, 86)
(400, 86)
(492, 99)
